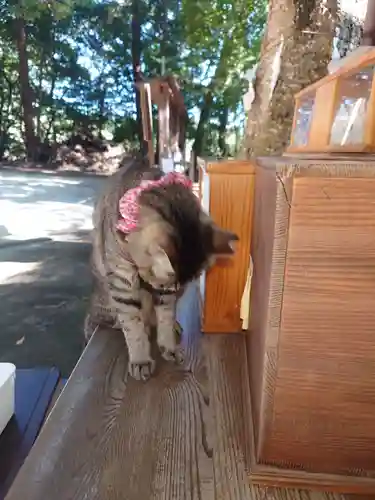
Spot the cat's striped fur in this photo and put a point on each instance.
(127, 292)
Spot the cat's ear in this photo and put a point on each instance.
(223, 242)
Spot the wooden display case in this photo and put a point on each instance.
(226, 193)
(337, 113)
(311, 354)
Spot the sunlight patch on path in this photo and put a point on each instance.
(40, 205)
(42, 219)
(9, 270)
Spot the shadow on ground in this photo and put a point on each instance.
(42, 305)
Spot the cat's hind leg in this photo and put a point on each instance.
(99, 312)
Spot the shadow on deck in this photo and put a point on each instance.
(179, 436)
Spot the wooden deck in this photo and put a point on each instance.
(180, 436)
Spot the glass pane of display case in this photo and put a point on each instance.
(303, 120)
(353, 96)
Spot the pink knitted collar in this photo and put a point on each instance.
(129, 207)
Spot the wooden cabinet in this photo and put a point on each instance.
(337, 113)
(226, 190)
(311, 345)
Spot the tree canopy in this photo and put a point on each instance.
(68, 65)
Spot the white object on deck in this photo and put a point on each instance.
(7, 393)
(245, 302)
(167, 165)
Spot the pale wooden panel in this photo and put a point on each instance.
(326, 356)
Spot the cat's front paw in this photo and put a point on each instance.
(169, 342)
(174, 354)
(141, 371)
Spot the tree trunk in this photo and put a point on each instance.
(101, 105)
(5, 110)
(223, 123)
(203, 119)
(296, 50)
(102, 118)
(368, 36)
(136, 60)
(39, 93)
(26, 92)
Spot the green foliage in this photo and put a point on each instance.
(80, 63)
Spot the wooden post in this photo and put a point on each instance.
(145, 94)
(174, 128)
(165, 160)
(166, 95)
(163, 116)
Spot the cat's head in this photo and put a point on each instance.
(175, 239)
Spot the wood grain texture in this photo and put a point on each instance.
(262, 256)
(227, 368)
(234, 167)
(327, 326)
(320, 165)
(224, 166)
(110, 437)
(270, 238)
(180, 436)
(231, 189)
(317, 362)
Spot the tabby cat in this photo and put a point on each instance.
(150, 238)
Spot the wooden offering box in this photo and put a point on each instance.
(226, 192)
(311, 345)
(337, 113)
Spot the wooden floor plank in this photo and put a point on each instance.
(179, 436)
(226, 359)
